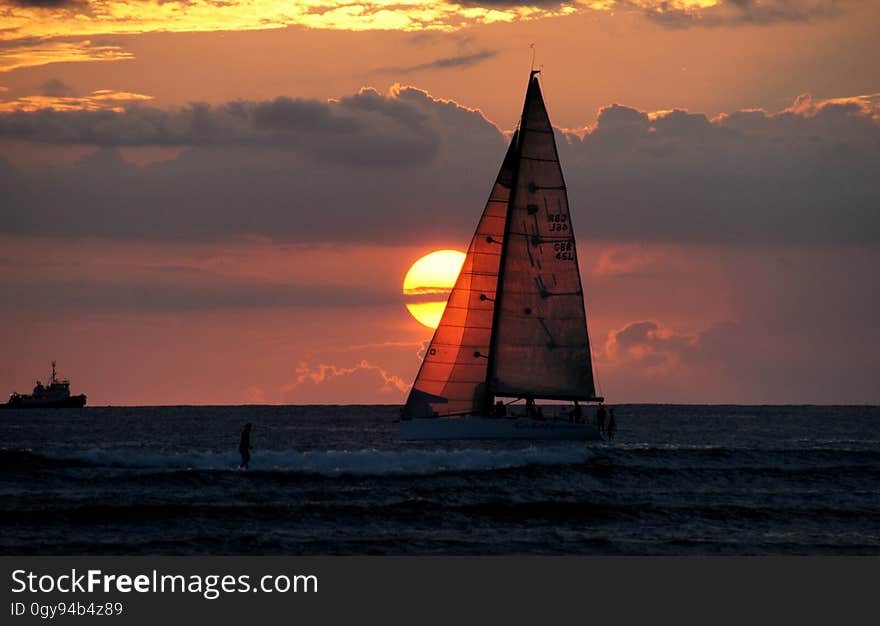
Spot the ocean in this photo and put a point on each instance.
(677, 480)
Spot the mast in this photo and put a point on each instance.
(489, 399)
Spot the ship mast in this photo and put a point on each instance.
(489, 398)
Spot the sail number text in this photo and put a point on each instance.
(564, 250)
(557, 222)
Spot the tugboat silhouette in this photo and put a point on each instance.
(54, 396)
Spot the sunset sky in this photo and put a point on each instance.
(209, 202)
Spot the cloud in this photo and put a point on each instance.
(510, 4)
(33, 52)
(37, 32)
(748, 323)
(159, 294)
(102, 275)
(368, 127)
(655, 349)
(803, 174)
(633, 260)
(407, 167)
(58, 97)
(56, 88)
(365, 167)
(683, 14)
(47, 4)
(688, 13)
(362, 382)
(457, 61)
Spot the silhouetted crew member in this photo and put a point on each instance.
(612, 424)
(600, 418)
(244, 446)
(578, 413)
(531, 411)
(500, 409)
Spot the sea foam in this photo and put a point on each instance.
(366, 462)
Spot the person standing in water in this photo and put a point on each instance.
(612, 424)
(600, 418)
(244, 446)
(577, 413)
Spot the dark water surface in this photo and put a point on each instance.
(335, 480)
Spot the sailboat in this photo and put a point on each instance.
(514, 327)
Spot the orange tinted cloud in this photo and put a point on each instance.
(31, 29)
(16, 56)
(653, 347)
(685, 13)
(867, 105)
(100, 100)
(331, 383)
(102, 17)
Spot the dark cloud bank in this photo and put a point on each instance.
(409, 168)
(741, 12)
(457, 61)
(723, 13)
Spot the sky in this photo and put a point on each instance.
(208, 202)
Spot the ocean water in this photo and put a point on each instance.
(335, 480)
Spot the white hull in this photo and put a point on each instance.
(495, 428)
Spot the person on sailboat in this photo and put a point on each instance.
(244, 446)
(531, 411)
(500, 409)
(612, 424)
(577, 414)
(600, 418)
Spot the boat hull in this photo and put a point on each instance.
(73, 402)
(470, 427)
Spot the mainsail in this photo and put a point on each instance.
(541, 346)
(514, 324)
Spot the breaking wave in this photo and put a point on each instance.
(368, 462)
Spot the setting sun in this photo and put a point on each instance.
(433, 275)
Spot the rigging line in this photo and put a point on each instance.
(461, 363)
(551, 341)
(545, 238)
(579, 347)
(458, 345)
(530, 158)
(453, 382)
(547, 294)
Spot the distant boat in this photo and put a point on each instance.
(514, 328)
(54, 396)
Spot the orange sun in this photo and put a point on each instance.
(433, 275)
